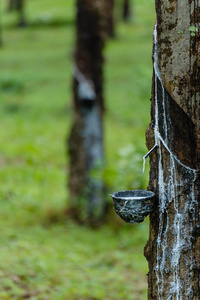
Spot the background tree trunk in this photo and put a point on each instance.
(86, 184)
(173, 249)
(11, 5)
(126, 10)
(18, 5)
(20, 9)
(108, 17)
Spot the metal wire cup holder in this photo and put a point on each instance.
(134, 205)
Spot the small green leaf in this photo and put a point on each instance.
(192, 34)
(180, 32)
(193, 29)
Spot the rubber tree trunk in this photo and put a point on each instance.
(85, 144)
(11, 5)
(108, 17)
(18, 5)
(20, 9)
(173, 249)
(126, 10)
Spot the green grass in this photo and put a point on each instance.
(44, 255)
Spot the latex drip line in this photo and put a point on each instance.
(124, 206)
(77, 74)
(86, 88)
(175, 157)
(156, 129)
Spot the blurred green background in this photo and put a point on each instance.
(43, 254)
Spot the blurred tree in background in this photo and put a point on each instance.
(18, 5)
(86, 184)
(11, 5)
(127, 14)
(108, 17)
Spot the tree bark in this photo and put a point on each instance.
(85, 143)
(108, 17)
(173, 248)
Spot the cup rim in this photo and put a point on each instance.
(132, 195)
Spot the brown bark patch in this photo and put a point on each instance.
(195, 17)
(195, 78)
(197, 254)
(182, 142)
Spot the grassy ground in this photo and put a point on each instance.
(43, 255)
